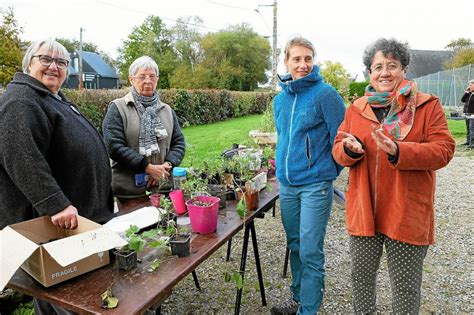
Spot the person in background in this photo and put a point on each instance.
(468, 101)
(52, 159)
(307, 114)
(393, 140)
(142, 134)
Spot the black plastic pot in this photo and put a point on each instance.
(219, 191)
(180, 244)
(126, 260)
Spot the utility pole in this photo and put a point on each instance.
(81, 83)
(274, 43)
(274, 47)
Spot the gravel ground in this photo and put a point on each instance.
(448, 272)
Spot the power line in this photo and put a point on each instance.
(229, 6)
(161, 17)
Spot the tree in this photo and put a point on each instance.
(459, 43)
(10, 46)
(234, 59)
(335, 74)
(186, 43)
(72, 45)
(463, 57)
(151, 38)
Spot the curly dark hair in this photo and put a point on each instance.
(390, 48)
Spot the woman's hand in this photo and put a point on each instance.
(66, 219)
(350, 142)
(158, 171)
(382, 141)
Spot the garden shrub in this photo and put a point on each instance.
(357, 89)
(193, 107)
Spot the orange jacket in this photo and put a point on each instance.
(395, 199)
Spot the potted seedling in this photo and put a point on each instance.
(126, 256)
(167, 214)
(180, 240)
(215, 170)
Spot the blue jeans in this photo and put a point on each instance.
(305, 213)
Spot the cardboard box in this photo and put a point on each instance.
(51, 254)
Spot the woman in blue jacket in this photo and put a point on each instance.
(307, 115)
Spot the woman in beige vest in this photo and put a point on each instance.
(142, 134)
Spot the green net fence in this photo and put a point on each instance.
(448, 85)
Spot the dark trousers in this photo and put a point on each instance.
(470, 131)
(405, 268)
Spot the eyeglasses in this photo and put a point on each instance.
(391, 67)
(46, 61)
(152, 77)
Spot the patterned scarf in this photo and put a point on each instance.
(152, 129)
(402, 104)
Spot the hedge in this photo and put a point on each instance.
(357, 89)
(193, 107)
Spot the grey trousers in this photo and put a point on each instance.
(405, 267)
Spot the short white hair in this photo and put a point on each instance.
(143, 62)
(51, 45)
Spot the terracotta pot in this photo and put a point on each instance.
(251, 199)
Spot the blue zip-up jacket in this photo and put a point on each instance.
(307, 113)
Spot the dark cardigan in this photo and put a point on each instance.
(50, 157)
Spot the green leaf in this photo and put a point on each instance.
(227, 277)
(241, 207)
(156, 243)
(155, 264)
(108, 300)
(136, 243)
(238, 279)
(133, 229)
(150, 233)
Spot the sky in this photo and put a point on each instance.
(339, 30)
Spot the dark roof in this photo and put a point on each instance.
(96, 63)
(423, 62)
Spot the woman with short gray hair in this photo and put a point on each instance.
(142, 135)
(52, 159)
(393, 140)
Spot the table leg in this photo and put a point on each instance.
(274, 206)
(196, 281)
(285, 264)
(229, 248)
(257, 263)
(243, 260)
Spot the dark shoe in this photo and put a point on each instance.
(288, 307)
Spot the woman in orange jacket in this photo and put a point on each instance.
(393, 139)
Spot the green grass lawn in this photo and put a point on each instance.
(208, 141)
(457, 128)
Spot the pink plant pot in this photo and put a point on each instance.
(203, 218)
(155, 199)
(177, 198)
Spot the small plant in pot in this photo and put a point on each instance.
(126, 257)
(215, 169)
(168, 213)
(180, 240)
